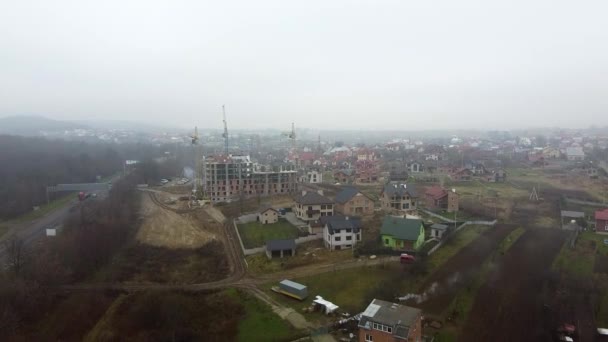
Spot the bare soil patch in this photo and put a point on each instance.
(456, 272)
(509, 307)
(164, 228)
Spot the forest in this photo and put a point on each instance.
(30, 164)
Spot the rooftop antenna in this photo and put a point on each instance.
(225, 134)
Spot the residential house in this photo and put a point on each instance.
(280, 248)
(351, 201)
(461, 175)
(575, 154)
(341, 232)
(366, 154)
(415, 167)
(402, 233)
(551, 153)
(346, 176)
(437, 197)
(438, 229)
(398, 197)
(477, 168)
(314, 177)
(387, 322)
(311, 206)
(398, 171)
(499, 175)
(268, 216)
(601, 221)
(366, 172)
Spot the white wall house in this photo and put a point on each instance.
(314, 177)
(341, 232)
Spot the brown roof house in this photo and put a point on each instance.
(311, 206)
(399, 197)
(437, 197)
(389, 322)
(351, 201)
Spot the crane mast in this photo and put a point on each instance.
(225, 134)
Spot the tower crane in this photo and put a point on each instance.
(197, 164)
(292, 136)
(225, 134)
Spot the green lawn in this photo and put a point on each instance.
(346, 288)
(260, 323)
(580, 260)
(45, 209)
(255, 234)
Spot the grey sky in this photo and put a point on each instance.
(327, 64)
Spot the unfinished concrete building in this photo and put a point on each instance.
(231, 177)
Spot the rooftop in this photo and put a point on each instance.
(311, 197)
(401, 228)
(346, 194)
(400, 189)
(279, 245)
(436, 192)
(400, 317)
(601, 214)
(339, 222)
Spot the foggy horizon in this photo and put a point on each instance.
(343, 66)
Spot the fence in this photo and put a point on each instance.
(593, 204)
(468, 223)
(257, 250)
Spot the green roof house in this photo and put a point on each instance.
(402, 233)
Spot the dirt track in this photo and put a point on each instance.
(509, 307)
(457, 270)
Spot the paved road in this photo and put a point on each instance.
(35, 230)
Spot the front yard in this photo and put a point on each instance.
(255, 234)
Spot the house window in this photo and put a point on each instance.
(369, 338)
(390, 330)
(337, 238)
(348, 238)
(386, 241)
(606, 228)
(348, 230)
(376, 326)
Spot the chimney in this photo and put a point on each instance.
(303, 192)
(320, 192)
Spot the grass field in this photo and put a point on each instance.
(580, 260)
(462, 238)
(45, 209)
(260, 323)
(346, 288)
(306, 254)
(255, 234)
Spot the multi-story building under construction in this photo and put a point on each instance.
(227, 178)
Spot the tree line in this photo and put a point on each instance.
(28, 165)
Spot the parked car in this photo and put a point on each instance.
(407, 258)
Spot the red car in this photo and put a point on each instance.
(406, 258)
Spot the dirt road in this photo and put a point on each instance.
(508, 307)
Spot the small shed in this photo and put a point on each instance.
(438, 229)
(324, 305)
(293, 289)
(280, 248)
(268, 216)
(567, 216)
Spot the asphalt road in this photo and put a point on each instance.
(35, 230)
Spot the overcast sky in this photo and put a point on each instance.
(324, 64)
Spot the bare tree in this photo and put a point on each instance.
(15, 253)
